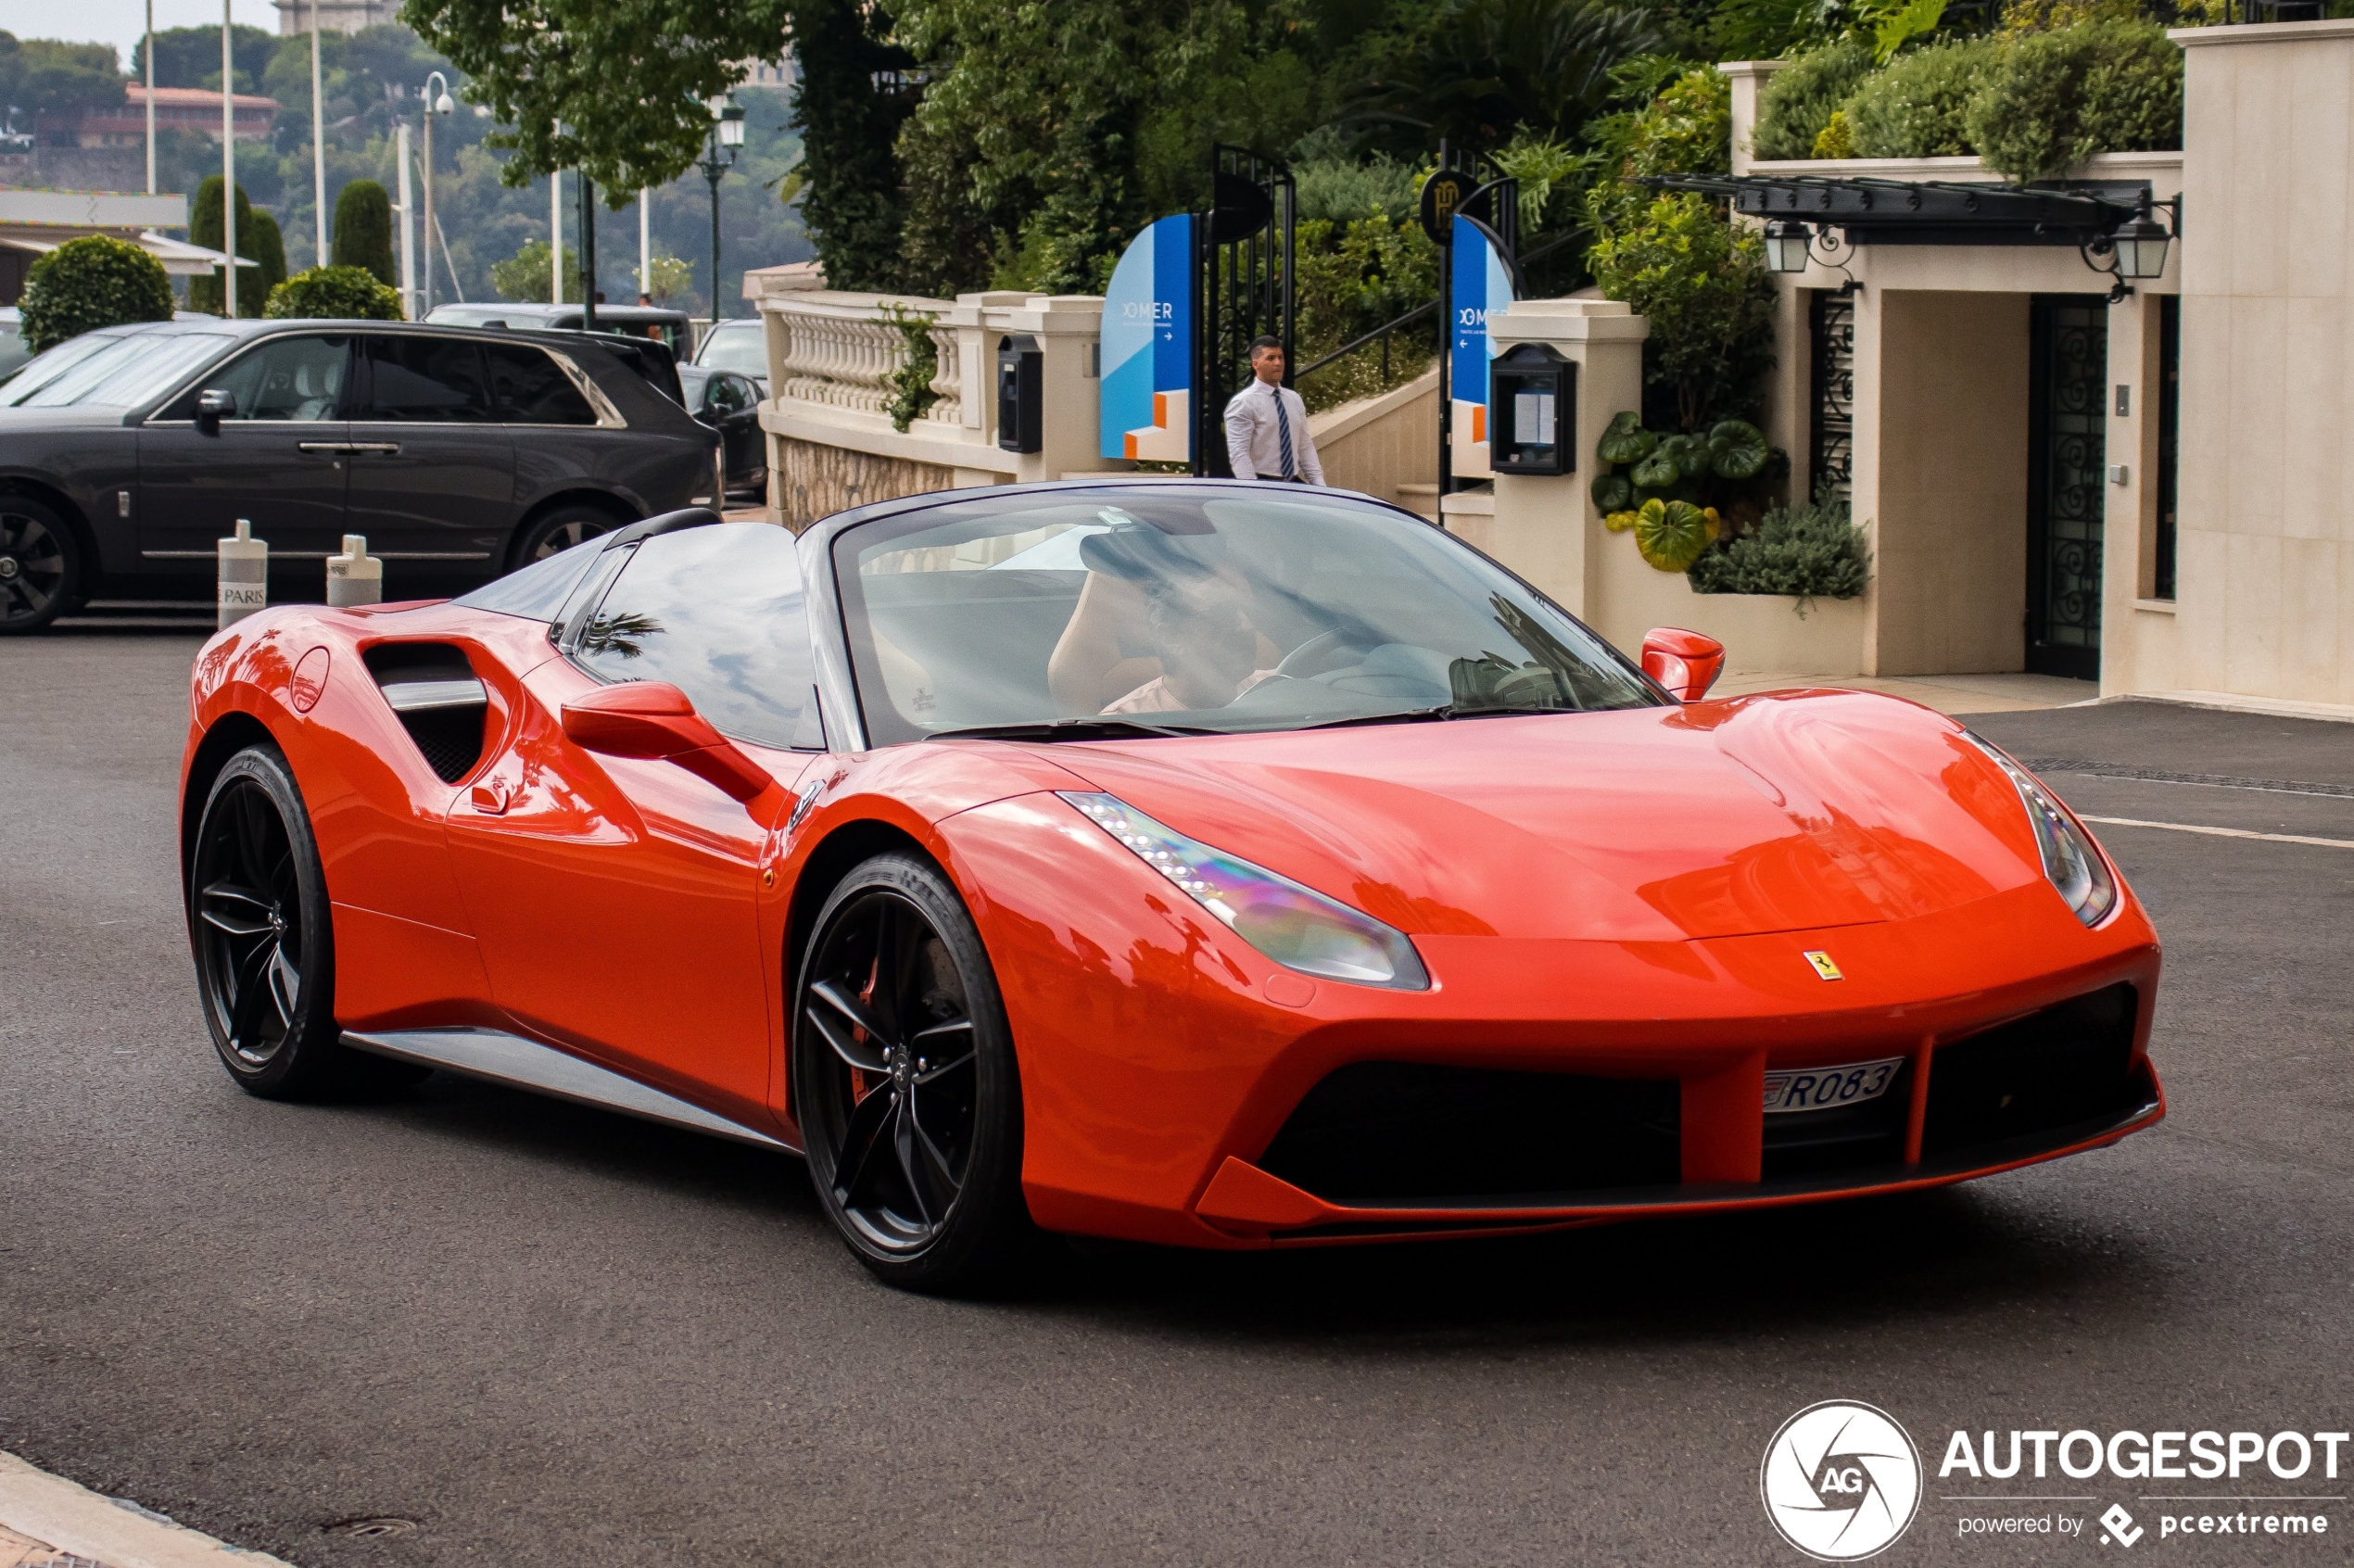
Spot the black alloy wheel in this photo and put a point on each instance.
(905, 1082)
(264, 948)
(560, 530)
(40, 565)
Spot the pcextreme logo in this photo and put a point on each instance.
(1841, 1481)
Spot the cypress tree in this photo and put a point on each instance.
(268, 247)
(204, 229)
(364, 231)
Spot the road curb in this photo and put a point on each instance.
(75, 1518)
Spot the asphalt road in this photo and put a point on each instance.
(544, 1335)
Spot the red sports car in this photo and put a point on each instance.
(1219, 865)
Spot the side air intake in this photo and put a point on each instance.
(438, 698)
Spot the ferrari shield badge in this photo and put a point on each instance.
(1824, 967)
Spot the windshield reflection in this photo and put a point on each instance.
(1197, 607)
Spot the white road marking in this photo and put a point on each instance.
(2222, 832)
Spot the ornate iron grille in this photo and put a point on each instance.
(1831, 403)
(2066, 484)
(1248, 288)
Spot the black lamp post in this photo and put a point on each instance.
(727, 133)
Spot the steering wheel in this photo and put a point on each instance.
(1295, 663)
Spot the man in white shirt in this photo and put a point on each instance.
(1267, 424)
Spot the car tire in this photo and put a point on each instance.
(41, 571)
(263, 940)
(559, 530)
(905, 1086)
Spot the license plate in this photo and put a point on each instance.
(1826, 1088)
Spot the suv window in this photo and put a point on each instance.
(529, 387)
(717, 612)
(298, 378)
(729, 394)
(736, 346)
(428, 380)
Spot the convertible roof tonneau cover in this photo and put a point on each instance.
(1927, 211)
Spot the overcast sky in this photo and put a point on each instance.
(120, 22)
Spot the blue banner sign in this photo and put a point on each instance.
(1147, 347)
(1482, 284)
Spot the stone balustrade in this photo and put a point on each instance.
(839, 350)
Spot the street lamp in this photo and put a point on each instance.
(727, 131)
(435, 104)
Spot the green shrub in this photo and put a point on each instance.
(97, 281)
(1703, 284)
(1917, 106)
(1354, 277)
(268, 250)
(911, 393)
(335, 294)
(1340, 189)
(1686, 129)
(364, 231)
(1838, 139)
(1811, 550)
(523, 276)
(1798, 99)
(2053, 99)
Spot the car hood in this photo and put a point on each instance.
(1778, 812)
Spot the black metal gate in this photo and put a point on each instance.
(1246, 274)
(1831, 423)
(2066, 482)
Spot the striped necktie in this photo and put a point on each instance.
(1283, 431)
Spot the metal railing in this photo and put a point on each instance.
(1385, 332)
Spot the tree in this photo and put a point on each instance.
(204, 229)
(1703, 284)
(269, 251)
(190, 56)
(669, 277)
(523, 277)
(1480, 69)
(613, 88)
(851, 198)
(364, 231)
(41, 79)
(335, 294)
(97, 281)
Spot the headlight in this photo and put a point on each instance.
(1296, 925)
(2070, 861)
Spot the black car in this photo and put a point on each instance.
(673, 329)
(127, 452)
(730, 404)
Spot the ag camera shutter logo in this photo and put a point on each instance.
(1841, 1481)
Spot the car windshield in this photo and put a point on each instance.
(117, 370)
(735, 346)
(1181, 607)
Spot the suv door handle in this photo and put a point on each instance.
(322, 446)
(372, 446)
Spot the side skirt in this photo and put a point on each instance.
(499, 1058)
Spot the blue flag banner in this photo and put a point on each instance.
(1148, 347)
(1481, 285)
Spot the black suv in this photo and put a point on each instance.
(126, 452)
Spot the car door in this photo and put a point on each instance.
(730, 406)
(615, 899)
(433, 471)
(278, 460)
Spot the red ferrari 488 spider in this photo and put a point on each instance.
(1188, 861)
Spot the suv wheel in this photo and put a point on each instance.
(559, 530)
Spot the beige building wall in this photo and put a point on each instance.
(1947, 511)
(2266, 571)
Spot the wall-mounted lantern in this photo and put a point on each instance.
(1532, 412)
(1786, 246)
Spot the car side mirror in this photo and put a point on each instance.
(1687, 663)
(653, 719)
(214, 405)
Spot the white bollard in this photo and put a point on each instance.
(355, 577)
(245, 575)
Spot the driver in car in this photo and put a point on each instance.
(1207, 646)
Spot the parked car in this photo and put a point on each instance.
(730, 404)
(12, 349)
(125, 454)
(673, 329)
(741, 346)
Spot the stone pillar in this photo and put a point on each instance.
(1068, 327)
(1749, 79)
(1546, 529)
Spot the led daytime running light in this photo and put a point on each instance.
(1296, 925)
(2072, 863)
